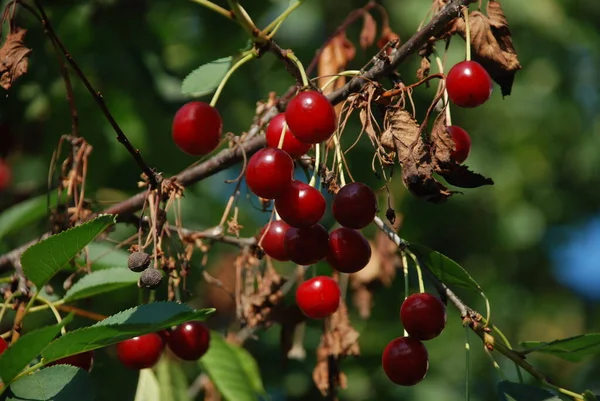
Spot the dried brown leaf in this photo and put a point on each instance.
(387, 35)
(13, 58)
(334, 59)
(368, 32)
(423, 71)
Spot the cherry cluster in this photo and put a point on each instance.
(469, 85)
(405, 359)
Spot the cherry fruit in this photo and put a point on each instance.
(349, 251)
(318, 297)
(423, 316)
(405, 361)
(140, 352)
(306, 245)
(5, 175)
(3, 345)
(189, 341)
(468, 84)
(84, 360)
(291, 144)
(300, 205)
(197, 128)
(272, 240)
(462, 143)
(269, 172)
(311, 117)
(355, 205)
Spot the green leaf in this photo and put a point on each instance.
(132, 322)
(590, 396)
(56, 383)
(172, 381)
(444, 268)
(148, 388)
(227, 371)
(205, 79)
(573, 349)
(25, 349)
(250, 367)
(509, 391)
(44, 259)
(24, 214)
(101, 281)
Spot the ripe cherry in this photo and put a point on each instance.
(349, 251)
(318, 297)
(272, 241)
(468, 84)
(405, 361)
(300, 205)
(140, 352)
(190, 340)
(462, 143)
(197, 128)
(306, 245)
(269, 172)
(291, 144)
(5, 175)
(355, 205)
(311, 117)
(3, 345)
(423, 316)
(84, 361)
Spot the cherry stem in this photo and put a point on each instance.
(242, 17)
(443, 82)
(289, 54)
(339, 166)
(406, 289)
(495, 364)
(418, 269)
(273, 25)
(468, 31)
(348, 73)
(7, 302)
(282, 136)
(245, 58)
(216, 8)
(467, 366)
(55, 312)
(315, 175)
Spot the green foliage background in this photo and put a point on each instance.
(540, 146)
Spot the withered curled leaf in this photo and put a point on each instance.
(368, 32)
(13, 57)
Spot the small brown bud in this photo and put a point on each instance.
(150, 279)
(138, 261)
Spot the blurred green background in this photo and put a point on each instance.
(532, 240)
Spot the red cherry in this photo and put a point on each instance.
(291, 144)
(355, 205)
(269, 172)
(405, 361)
(349, 251)
(318, 297)
(140, 352)
(468, 84)
(272, 242)
(164, 334)
(423, 316)
(197, 128)
(84, 361)
(5, 175)
(462, 143)
(311, 117)
(190, 340)
(3, 345)
(300, 205)
(306, 245)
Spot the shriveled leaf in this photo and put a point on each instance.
(43, 260)
(509, 391)
(573, 349)
(132, 322)
(13, 57)
(368, 32)
(227, 372)
(423, 71)
(25, 349)
(24, 214)
(56, 383)
(101, 281)
(205, 79)
(172, 382)
(387, 35)
(148, 388)
(334, 59)
(444, 268)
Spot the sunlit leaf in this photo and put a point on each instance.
(572, 349)
(205, 79)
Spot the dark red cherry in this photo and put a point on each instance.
(423, 316)
(468, 84)
(3, 345)
(318, 297)
(355, 205)
(462, 143)
(311, 117)
(272, 239)
(306, 245)
(349, 251)
(140, 352)
(300, 205)
(5, 175)
(197, 128)
(84, 360)
(189, 341)
(269, 172)
(405, 361)
(291, 144)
